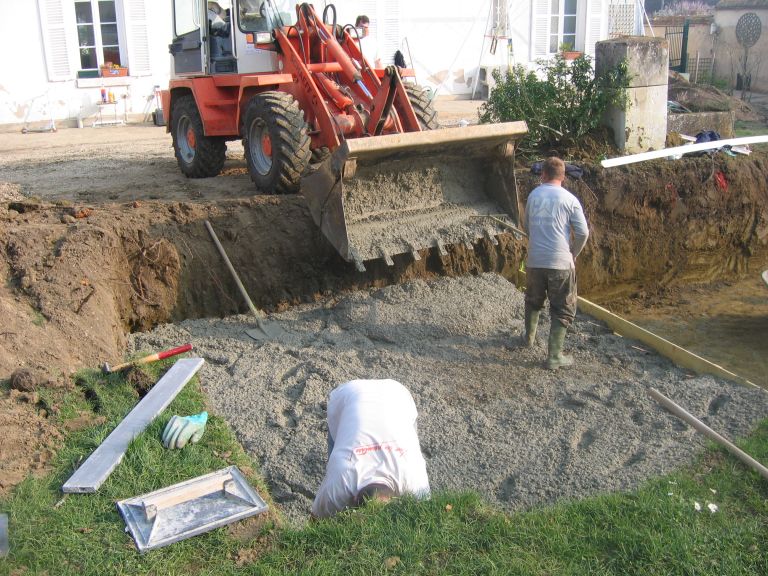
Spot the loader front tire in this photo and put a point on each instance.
(276, 142)
(198, 155)
(422, 106)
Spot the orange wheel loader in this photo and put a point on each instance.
(361, 144)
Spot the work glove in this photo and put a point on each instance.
(183, 429)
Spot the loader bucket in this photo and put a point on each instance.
(380, 196)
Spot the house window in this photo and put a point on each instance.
(97, 34)
(562, 28)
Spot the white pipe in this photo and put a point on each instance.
(665, 152)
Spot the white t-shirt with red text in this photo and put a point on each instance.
(373, 427)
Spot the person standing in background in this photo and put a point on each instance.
(368, 44)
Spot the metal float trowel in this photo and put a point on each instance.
(189, 508)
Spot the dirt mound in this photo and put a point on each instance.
(10, 192)
(664, 223)
(29, 440)
(704, 98)
(74, 287)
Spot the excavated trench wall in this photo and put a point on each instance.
(673, 222)
(283, 259)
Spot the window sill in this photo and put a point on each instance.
(106, 81)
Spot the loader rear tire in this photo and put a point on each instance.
(422, 105)
(198, 155)
(276, 142)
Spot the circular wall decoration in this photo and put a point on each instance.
(748, 29)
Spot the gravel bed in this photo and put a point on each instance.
(492, 419)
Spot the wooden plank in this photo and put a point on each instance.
(677, 354)
(665, 152)
(100, 464)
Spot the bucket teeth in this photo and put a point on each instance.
(359, 266)
(415, 253)
(387, 257)
(441, 247)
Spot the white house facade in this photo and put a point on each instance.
(56, 50)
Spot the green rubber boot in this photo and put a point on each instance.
(531, 324)
(555, 357)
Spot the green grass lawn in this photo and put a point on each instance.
(655, 530)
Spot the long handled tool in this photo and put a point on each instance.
(708, 432)
(107, 369)
(265, 330)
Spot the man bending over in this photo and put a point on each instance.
(374, 450)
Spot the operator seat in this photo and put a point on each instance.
(219, 35)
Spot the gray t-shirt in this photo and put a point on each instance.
(550, 214)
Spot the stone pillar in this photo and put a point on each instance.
(642, 126)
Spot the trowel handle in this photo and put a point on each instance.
(169, 498)
(154, 357)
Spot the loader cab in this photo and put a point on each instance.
(217, 37)
(202, 38)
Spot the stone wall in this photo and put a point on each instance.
(642, 124)
(692, 123)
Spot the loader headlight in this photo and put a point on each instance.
(263, 38)
(259, 38)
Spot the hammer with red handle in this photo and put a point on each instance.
(107, 369)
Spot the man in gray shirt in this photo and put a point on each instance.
(551, 214)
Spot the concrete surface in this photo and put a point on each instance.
(647, 59)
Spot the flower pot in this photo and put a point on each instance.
(571, 54)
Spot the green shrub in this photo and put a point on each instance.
(561, 101)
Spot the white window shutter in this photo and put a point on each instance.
(540, 23)
(389, 33)
(369, 8)
(137, 41)
(55, 20)
(597, 24)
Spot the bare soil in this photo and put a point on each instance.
(29, 440)
(101, 236)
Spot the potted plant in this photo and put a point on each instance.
(566, 49)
